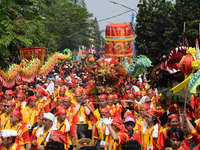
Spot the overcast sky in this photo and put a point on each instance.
(103, 9)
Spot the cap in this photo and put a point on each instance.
(130, 96)
(129, 119)
(11, 103)
(8, 133)
(17, 114)
(103, 96)
(105, 110)
(60, 110)
(9, 92)
(49, 116)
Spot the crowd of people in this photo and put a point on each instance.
(56, 111)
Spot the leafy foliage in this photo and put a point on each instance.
(54, 24)
(161, 25)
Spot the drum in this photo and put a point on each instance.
(119, 40)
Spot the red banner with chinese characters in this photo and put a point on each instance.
(119, 40)
(29, 53)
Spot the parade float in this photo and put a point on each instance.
(31, 66)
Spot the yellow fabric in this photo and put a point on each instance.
(101, 133)
(71, 95)
(5, 121)
(14, 147)
(41, 106)
(194, 131)
(146, 141)
(40, 139)
(20, 133)
(29, 115)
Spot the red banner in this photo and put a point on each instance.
(29, 53)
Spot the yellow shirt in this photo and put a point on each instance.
(147, 137)
(29, 115)
(41, 138)
(100, 133)
(41, 105)
(15, 147)
(22, 134)
(5, 121)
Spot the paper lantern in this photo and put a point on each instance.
(186, 64)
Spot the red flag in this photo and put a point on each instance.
(186, 41)
(197, 44)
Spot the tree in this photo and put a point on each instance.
(19, 27)
(152, 20)
(97, 33)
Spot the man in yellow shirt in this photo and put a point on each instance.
(5, 117)
(23, 138)
(82, 112)
(30, 113)
(40, 137)
(8, 139)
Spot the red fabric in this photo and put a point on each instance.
(105, 110)
(60, 135)
(60, 110)
(11, 103)
(9, 92)
(102, 96)
(136, 137)
(17, 114)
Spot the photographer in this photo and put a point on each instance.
(82, 112)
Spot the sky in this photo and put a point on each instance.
(103, 9)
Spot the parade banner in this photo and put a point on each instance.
(29, 53)
(119, 40)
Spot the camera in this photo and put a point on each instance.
(82, 102)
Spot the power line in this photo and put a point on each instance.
(114, 16)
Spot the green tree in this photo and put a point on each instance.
(97, 33)
(152, 20)
(20, 26)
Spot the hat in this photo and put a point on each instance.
(49, 116)
(149, 91)
(60, 110)
(17, 114)
(171, 116)
(78, 93)
(105, 110)
(9, 92)
(86, 91)
(71, 85)
(102, 96)
(62, 89)
(11, 103)
(42, 91)
(60, 134)
(130, 96)
(139, 93)
(6, 133)
(128, 114)
(110, 96)
(145, 106)
(67, 99)
(22, 96)
(59, 98)
(41, 115)
(158, 97)
(129, 119)
(31, 98)
(118, 123)
(115, 95)
(155, 112)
